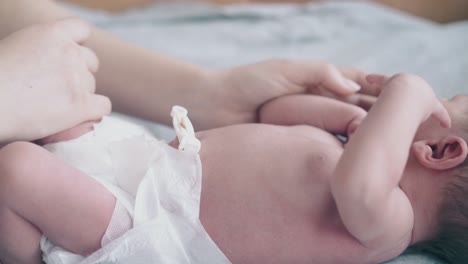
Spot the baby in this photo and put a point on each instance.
(286, 191)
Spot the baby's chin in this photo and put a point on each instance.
(69, 134)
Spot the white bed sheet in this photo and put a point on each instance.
(362, 35)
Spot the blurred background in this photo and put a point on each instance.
(425, 37)
(437, 10)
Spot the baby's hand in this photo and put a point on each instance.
(366, 97)
(440, 113)
(419, 90)
(245, 89)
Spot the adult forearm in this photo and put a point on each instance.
(138, 81)
(17, 14)
(143, 82)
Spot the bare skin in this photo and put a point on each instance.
(158, 82)
(280, 183)
(266, 205)
(39, 193)
(268, 193)
(277, 200)
(25, 75)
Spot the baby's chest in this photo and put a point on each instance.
(312, 153)
(296, 167)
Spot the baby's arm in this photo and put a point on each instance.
(328, 114)
(41, 194)
(365, 184)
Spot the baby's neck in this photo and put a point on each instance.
(422, 187)
(69, 134)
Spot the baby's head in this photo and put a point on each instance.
(444, 152)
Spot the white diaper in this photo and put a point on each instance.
(155, 185)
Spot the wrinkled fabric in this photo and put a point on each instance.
(159, 185)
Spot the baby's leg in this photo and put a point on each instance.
(39, 193)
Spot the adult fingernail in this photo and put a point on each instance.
(353, 85)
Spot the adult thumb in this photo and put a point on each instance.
(337, 83)
(97, 107)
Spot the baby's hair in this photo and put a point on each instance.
(451, 241)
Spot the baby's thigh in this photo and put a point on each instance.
(20, 162)
(69, 207)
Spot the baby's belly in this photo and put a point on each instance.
(266, 198)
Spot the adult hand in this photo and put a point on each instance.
(47, 81)
(245, 89)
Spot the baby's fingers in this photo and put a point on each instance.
(441, 114)
(360, 77)
(377, 81)
(362, 100)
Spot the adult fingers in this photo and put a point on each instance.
(320, 78)
(76, 29)
(377, 82)
(353, 126)
(367, 86)
(377, 79)
(88, 81)
(90, 58)
(362, 100)
(331, 78)
(96, 107)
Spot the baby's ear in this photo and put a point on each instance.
(442, 154)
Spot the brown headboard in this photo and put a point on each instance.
(437, 10)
